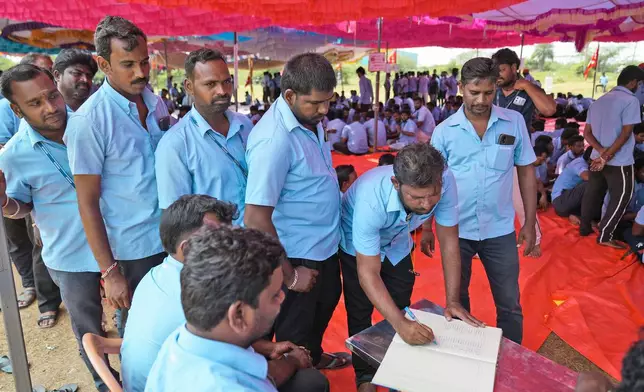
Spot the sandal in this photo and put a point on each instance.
(47, 317)
(26, 298)
(5, 365)
(339, 360)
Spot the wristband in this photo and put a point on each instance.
(6, 203)
(295, 276)
(15, 214)
(109, 269)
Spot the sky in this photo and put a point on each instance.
(565, 52)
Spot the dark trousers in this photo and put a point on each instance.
(569, 202)
(309, 380)
(304, 316)
(82, 298)
(26, 256)
(134, 271)
(501, 262)
(619, 181)
(343, 148)
(399, 282)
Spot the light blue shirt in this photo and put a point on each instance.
(436, 113)
(356, 135)
(189, 362)
(155, 313)
(603, 80)
(408, 126)
(637, 201)
(366, 91)
(563, 161)
(374, 220)
(189, 162)
(33, 178)
(607, 115)
(541, 172)
(105, 137)
(640, 93)
(558, 151)
(337, 125)
(9, 122)
(370, 125)
(570, 177)
(291, 169)
(483, 169)
(423, 114)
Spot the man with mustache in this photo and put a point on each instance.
(74, 70)
(482, 143)
(111, 141)
(293, 194)
(205, 152)
(379, 212)
(35, 179)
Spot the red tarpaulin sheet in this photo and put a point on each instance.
(604, 297)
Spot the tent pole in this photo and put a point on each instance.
(167, 65)
(376, 107)
(11, 315)
(521, 55)
(236, 70)
(595, 73)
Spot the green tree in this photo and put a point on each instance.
(542, 53)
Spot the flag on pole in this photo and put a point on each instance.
(393, 58)
(592, 63)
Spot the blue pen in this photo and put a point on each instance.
(412, 316)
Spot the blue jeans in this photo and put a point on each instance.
(500, 259)
(81, 295)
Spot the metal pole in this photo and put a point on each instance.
(236, 65)
(521, 55)
(595, 73)
(376, 109)
(167, 65)
(11, 315)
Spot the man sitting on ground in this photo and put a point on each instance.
(231, 293)
(346, 176)
(575, 150)
(156, 308)
(541, 169)
(560, 145)
(353, 140)
(370, 126)
(569, 188)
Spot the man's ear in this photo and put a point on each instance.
(16, 110)
(395, 182)
(104, 65)
(57, 76)
(290, 96)
(188, 86)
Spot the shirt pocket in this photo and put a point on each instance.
(499, 157)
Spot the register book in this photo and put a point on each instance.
(463, 359)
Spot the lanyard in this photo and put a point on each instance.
(498, 96)
(53, 160)
(224, 149)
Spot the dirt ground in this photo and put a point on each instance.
(54, 359)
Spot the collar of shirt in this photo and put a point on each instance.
(291, 122)
(197, 119)
(623, 89)
(149, 99)
(238, 358)
(459, 119)
(34, 136)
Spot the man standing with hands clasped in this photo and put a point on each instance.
(293, 194)
(482, 143)
(379, 212)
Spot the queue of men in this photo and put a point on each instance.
(123, 201)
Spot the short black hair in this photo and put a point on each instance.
(477, 69)
(539, 125)
(360, 70)
(417, 98)
(506, 56)
(186, 214)
(343, 172)
(386, 159)
(202, 55)
(116, 27)
(629, 73)
(31, 58)
(20, 73)
(306, 72)
(222, 266)
(561, 122)
(568, 133)
(639, 163)
(540, 149)
(575, 139)
(633, 369)
(419, 165)
(573, 124)
(638, 128)
(70, 57)
(543, 139)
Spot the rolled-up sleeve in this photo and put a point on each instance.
(173, 176)
(268, 165)
(367, 222)
(16, 187)
(447, 208)
(523, 152)
(85, 147)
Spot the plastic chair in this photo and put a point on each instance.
(96, 347)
